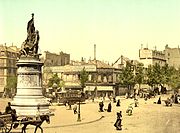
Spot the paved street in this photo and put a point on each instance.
(147, 118)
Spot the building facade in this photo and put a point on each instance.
(172, 56)
(53, 59)
(151, 57)
(8, 69)
(102, 78)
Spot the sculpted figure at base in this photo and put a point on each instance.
(30, 45)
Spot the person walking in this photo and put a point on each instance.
(118, 122)
(159, 100)
(118, 103)
(135, 102)
(38, 113)
(101, 105)
(109, 107)
(75, 108)
(129, 110)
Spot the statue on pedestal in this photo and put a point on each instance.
(30, 45)
(29, 98)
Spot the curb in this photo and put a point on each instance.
(76, 124)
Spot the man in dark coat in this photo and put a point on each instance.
(159, 100)
(118, 103)
(117, 124)
(101, 105)
(109, 107)
(8, 109)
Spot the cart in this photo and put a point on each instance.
(6, 123)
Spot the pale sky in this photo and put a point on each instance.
(117, 27)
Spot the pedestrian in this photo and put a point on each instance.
(159, 100)
(69, 105)
(101, 105)
(129, 110)
(75, 108)
(114, 99)
(168, 102)
(176, 98)
(126, 95)
(145, 97)
(38, 113)
(118, 103)
(109, 107)
(118, 122)
(135, 102)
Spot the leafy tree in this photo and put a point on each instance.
(139, 77)
(11, 82)
(155, 75)
(126, 77)
(54, 79)
(47, 72)
(11, 85)
(165, 75)
(61, 84)
(151, 80)
(174, 80)
(158, 75)
(83, 78)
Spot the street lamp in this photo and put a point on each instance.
(79, 113)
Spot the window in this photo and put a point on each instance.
(1, 71)
(2, 53)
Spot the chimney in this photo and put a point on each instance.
(94, 51)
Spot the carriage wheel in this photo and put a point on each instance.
(8, 127)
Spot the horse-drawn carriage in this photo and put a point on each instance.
(10, 121)
(5, 123)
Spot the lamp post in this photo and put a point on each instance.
(79, 113)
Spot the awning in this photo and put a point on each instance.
(89, 88)
(104, 88)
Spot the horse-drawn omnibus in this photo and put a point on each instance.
(70, 96)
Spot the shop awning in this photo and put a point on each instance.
(104, 88)
(89, 88)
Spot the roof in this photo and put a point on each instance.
(12, 49)
(100, 64)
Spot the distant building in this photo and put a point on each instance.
(172, 56)
(151, 57)
(8, 57)
(102, 80)
(53, 59)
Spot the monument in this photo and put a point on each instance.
(29, 98)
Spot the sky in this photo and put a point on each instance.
(117, 27)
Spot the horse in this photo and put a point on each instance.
(29, 121)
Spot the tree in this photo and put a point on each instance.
(83, 78)
(154, 75)
(11, 85)
(11, 82)
(61, 84)
(174, 80)
(165, 74)
(126, 77)
(54, 80)
(47, 72)
(139, 77)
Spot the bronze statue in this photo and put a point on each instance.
(30, 45)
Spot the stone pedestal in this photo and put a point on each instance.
(29, 88)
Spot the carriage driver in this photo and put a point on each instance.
(8, 109)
